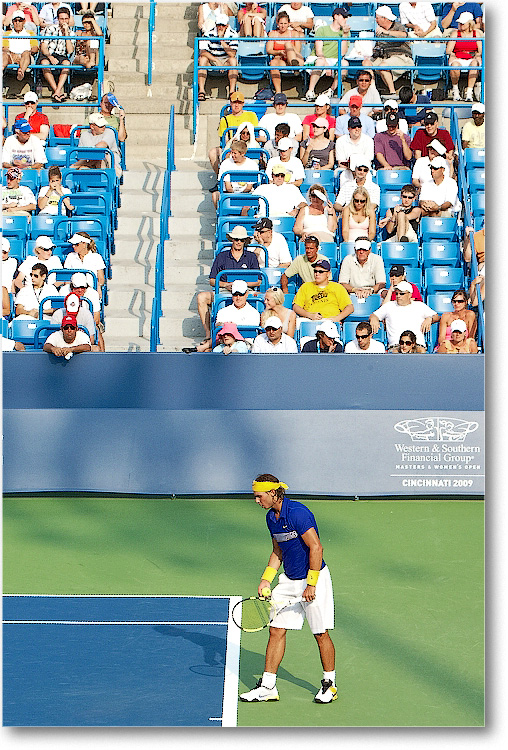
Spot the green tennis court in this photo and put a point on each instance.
(408, 582)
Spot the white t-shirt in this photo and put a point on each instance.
(9, 268)
(21, 196)
(56, 339)
(375, 347)
(299, 16)
(262, 345)
(294, 165)
(281, 198)
(244, 316)
(399, 318)
(382, 127)
(31, 152)
(228, 165)
(271, 120)
(443, 193)
(348, 187)
(90, 294)
(30, 297)
(91, 262)
(421, 170)
(422, 15)
(52, 263)
(48, 13)
(345, 147)
(372, 96)
(52, 204)
(278, 251)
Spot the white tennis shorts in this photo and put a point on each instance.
(319, 613)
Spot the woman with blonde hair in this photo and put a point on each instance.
(359, 217)
(84, 256)
(319, 218)
(274, 305)
(465, 52)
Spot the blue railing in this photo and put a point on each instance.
(165, 213)
(151, 29)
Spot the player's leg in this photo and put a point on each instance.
(328, 691)
(266, 689)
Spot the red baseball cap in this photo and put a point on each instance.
(69, 320)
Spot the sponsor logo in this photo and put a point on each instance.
(285, 537)
(436, 429)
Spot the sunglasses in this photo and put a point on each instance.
(359, 336)
(271, 328)
(279, 174)
(239, 294)
(407, 342)
(362, 169)
(398, 293)
(360, 200)
(407, 196)
(319, 126)
(68, 327)
(320, 270)
(458, 299)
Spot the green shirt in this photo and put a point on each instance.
(330, 49)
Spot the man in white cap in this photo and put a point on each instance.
(473, 131)
(363, 343)
(421, 169)
(283, 198)
(292, 163)
(274, 341)
(43, 253)
(392, 53)
(327, 340)
(38, 122)
(391, 106)
(438, 197)
(420, 20)
(98, 135)
(327, 52)
(58, 50)
(16, 51)
(361, 177)
(404, 314)
(219, 52)
(363, 273)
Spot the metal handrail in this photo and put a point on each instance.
(151, 29)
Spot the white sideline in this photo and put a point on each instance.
(232, 670)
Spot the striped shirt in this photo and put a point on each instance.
(215, 48)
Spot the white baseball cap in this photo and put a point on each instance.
(273, 322)
(478, 107)
(391, 103)
(458, 325)
(79, 279)
(239, 286)
(284, 144)
(30, 96)
(221, 18)
(97, 118)
(45, 242)
(322, 99)
(6, 245)
(404, 286)
(329, 328)
(465, 17)
(437, 146)
(385, 12)
(362, 245)
(438, 162)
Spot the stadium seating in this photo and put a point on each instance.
(440, 253)
(443, 279)
(364, 307)
(405, 253)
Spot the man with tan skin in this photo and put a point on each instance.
(322, 298)
(404, 314)
(69, 340)
(220, 52)
(22, 149)
(57, 51)
(18, 51)
(363, 273)
(302, 264)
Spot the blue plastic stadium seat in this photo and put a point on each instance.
(18, 248)
(445, 228)
(405, 253)
(442, 278)
(475, 157)
(364, 307)
(476, 180)
(231, 204)
(441, 302)
(429, 59)
(413, 275)
(388, 200)
(15, 226)
(392, 180)
(56, 156)
(440, 253)
(478, 204)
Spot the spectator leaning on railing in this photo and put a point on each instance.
(69, 340)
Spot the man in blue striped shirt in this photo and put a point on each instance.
(220, 52)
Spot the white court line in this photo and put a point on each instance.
(232, 670)
(112, 622)
(120, 596)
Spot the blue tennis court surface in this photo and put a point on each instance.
(119, 661)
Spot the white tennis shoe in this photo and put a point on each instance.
(327, 692)
(260, 693)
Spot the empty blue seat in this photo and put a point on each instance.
(43, 224)
(476, 180)
(388, 200)
(391, 180)
(18, 248)
(429, 59)
(231, 204)
(25, 330)
(441, 302)
(364, 307)
(253, 64)
(444, 279)
(413, 275)
(445, 228)
(478, 204)
(15, 226)
(284, 225)
(440, 253)
(405, 253)
(475, 157)
(56, 156)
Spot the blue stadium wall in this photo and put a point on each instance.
(171, 423)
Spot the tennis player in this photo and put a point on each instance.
(296, 545)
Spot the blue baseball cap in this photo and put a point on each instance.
(324, 264)
(22, 125)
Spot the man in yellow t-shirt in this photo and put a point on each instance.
(322, 298)
(473, 132)
(232, 120)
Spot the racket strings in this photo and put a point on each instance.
(255, 614)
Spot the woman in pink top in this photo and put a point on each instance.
(359, 217)
(460, 312)
(251, 18)
(321, 109)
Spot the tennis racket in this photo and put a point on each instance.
(256, 613)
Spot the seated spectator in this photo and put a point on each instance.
(438, 197)
(84, 256)
(81, 286)
(237, 117)
(478, 281)
(236, 258)
(396, 274)
(23, 150)
(301, 18)
(9, 267)
(318, 152)
(363, 343)
(302, 265)
(459, 343)
(407, 345)
(17, 51)
(327, 340)
(428, 133)
(283, 198)
(292, 164)
(208, 13)
(355, 142)
(274, 305)
(363, 273)
(49, 195)
(38, 122)
(48, 14)
(74, 306)
(408, 96)
(236, 161)
(98, 136)
(473, 131)
(355, 110)
(465, 54)
(58, 50)
(281, 131)
(43, 253)
(6, 302)
(252, 20)
(274, 341)
(30, 15)
(322, 298)
(282, 51)
(392, 53)
(17, 200)
(322, 108)
(327, 52)
(366, 88)
(420, 20)
(277, 250)
(230, 341)
(451, 13)
(219, 52)
(271, 120)
(27, 299)
(391, 106)
(359, 217)
(87, 50)
(318, 219)
(403, 314)
(245, 133)
(421, 170)
(114, 116)
(401, 222)
(479, 246)
(87, 7)
(69, 340)
(391, 146)
(241, 312)
(361, 176)
(460, 312)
